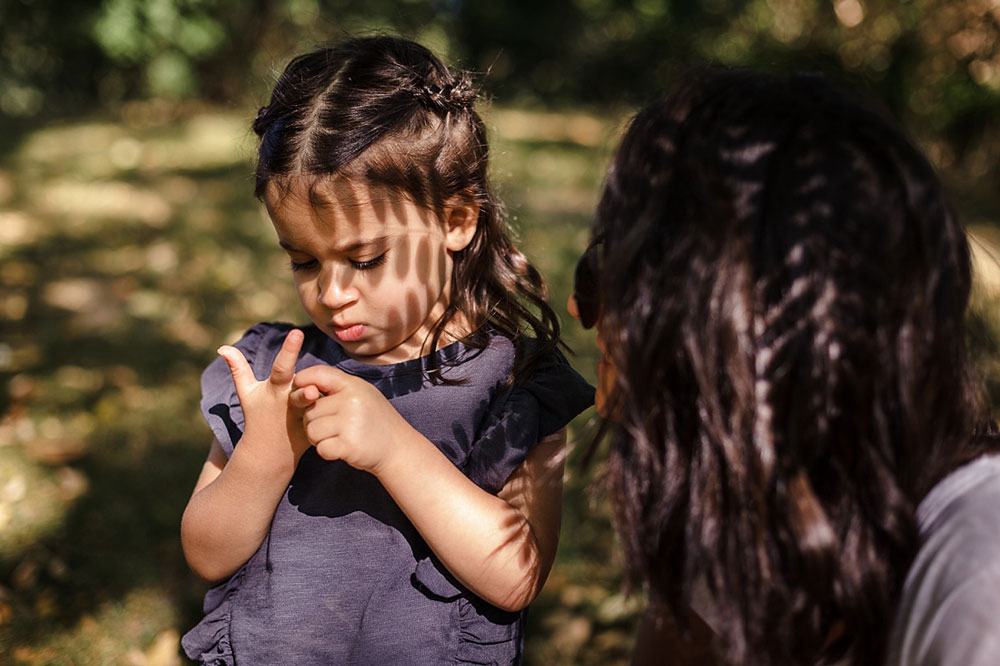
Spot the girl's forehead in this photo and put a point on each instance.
(341, 201)
(325, 192)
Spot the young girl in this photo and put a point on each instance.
(385, 484)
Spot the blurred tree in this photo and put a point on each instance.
(47, 55)
(935, 63)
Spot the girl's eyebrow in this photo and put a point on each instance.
(347, 248)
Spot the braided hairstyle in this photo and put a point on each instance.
(783, 286)
(387, 112)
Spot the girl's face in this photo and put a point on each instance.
(372, 269)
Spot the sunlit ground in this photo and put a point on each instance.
(130, 248)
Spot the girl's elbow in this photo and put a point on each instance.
(514, 605)
(201, 562)
(206, 570)
(519, 594)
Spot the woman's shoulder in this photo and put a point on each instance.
(951, 595)
(970, 490)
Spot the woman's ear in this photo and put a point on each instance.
(461, 221)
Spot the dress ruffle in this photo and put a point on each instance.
(486, 634)
(208, 643)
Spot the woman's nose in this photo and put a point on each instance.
(574, 311)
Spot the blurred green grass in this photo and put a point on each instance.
(130, 248)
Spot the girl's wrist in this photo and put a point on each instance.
(407, 446)
(263, 459)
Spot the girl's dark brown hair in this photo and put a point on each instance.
(783, 289)
(387, 112)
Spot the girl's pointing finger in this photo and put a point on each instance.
(301, 398)
(326, 378)
(283, 368)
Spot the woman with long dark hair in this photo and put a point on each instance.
(779, 286)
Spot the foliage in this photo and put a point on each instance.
(130, 247)
(935, 63)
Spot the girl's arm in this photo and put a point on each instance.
(500, 547)
(233, 502)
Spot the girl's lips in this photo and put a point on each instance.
(349, 333)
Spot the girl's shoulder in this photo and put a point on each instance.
(523, 413)
(560, 391)
(552, 388)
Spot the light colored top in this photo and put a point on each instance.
(949, 612)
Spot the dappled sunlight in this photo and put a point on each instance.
(73, 204)
(116, 283)
(33, 499)
(549, 127)
(215, 140)
(114, 633)
(984, 309)
(128, 253)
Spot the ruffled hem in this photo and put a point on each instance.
(208, 643)
(488, 635)
(216, 650)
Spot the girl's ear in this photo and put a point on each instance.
(461, 220)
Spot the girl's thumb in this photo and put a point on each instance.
(243, 376)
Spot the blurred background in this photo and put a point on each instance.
(131, 247)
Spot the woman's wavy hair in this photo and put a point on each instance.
(387, 112)
(783, 289)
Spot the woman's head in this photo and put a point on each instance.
(782, 289)
(385, 117)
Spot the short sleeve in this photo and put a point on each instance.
(219, 404)
(523, 415)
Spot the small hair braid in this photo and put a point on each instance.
(460, 95)
(261, 121)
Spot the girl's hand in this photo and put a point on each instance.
(273, 424)
(348, 419)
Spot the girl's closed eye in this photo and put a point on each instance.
(371, 263)
(306, 265)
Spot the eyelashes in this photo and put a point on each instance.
(303, 265)
(371, 264)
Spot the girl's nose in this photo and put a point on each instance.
(335, 289)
